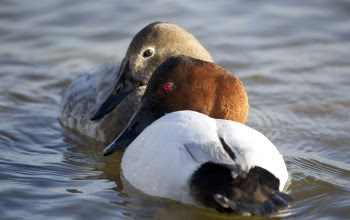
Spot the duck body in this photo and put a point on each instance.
(192, 158)
(87, 93)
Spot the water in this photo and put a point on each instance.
(292, 56)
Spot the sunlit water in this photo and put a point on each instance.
(292, 56)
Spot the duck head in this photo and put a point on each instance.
(147, 50)
(185, 83)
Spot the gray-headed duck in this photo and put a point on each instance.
(114, 90)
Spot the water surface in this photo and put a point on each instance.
(292, 56)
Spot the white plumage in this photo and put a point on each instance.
(163, 158)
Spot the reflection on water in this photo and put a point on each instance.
(293, 58)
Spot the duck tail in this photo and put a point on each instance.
(276, 202)
(228, 189)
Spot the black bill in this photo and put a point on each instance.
(140, 120)
(124, 86)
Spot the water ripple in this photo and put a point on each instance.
(292, 57)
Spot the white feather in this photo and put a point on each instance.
(162, 159)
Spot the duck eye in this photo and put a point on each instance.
(167, 87)
(148, 53)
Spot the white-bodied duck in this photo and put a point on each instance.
(114, 91)
(193, 158)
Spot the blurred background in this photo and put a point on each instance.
(292, 56)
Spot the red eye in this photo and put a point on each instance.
(167, 87)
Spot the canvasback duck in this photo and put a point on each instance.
(190, 157)
(114, 90)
